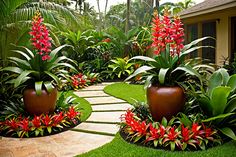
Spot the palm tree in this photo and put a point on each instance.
(106, 7)
(15, 21)
(127, 16)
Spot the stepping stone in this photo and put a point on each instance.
(104, 100)
(106, 128)
(84, 94)
(110, 107)
(66, 144)
(107, 83)
(106, 116)
(94, 88)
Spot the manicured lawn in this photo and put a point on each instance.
(120, 148)
(126, 92)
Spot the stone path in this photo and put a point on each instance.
(98, 130)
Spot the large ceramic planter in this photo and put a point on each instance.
(38, 104)
(165, 101)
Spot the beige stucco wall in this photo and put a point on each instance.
(223, 30)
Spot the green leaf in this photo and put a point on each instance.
(49, 129)
(221, 116)
(195, 42)
(172, 146)
(228, 132)
(54, 77)
(12, 69)
(49, 87)
(148, 81)
(20, 62)
(140, 70)
(63, 65)
(38, 87)
(164, 122)
(55, 51)
(186, 52)
(219, 99)
(148, 59)
(231, 105)
(162, 75)
(215, 81)
(155, 143)
(189, 70)
(21, 77)
(225, 75)
(23, 54)
(232, 82)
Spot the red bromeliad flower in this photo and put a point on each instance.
(36, 121)
(162, 131)
(208, 131)
(153, 132)
(58, 118)
(24, 124)
(47, 120)
(185, 133)
(166, 31)
(107, 40)
(72, 113)
(195, 130)
(13, 124)
(141, 128)
(172, 135)
(40, 37)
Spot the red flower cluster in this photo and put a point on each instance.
(80, 80)
(181, 136)
(107, 40)
(23, 126)
(40, 37)
(166, 31)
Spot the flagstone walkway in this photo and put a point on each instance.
(96, 131)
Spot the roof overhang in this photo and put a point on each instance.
(209, 10)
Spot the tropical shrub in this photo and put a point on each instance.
(219, 101)
(119, 68)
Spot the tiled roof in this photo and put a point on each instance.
(207, 4)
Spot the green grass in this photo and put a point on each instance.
(126, 92)
(120, 148)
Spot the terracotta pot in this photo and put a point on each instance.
(165, 101)
(44, 103)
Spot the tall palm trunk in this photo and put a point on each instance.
(127, 16)
(106, 7)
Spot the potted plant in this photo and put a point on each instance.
(38, 70)
(167, 67)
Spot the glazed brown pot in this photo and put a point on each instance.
(165, 101)
(38, 104)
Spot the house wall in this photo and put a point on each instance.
(223, 30)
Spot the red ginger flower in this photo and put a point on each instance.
(40, 37)
(166, 32)
(185, 133)
(36, 121)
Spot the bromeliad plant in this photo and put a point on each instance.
(37, 68)
(167, 66)
(38, 125)
(166, 134)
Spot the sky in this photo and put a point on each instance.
(114, 2)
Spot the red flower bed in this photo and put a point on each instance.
(80, 80)
(39, 125)
(175, 135)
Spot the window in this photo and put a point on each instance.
(209, 29)
(192, 34)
